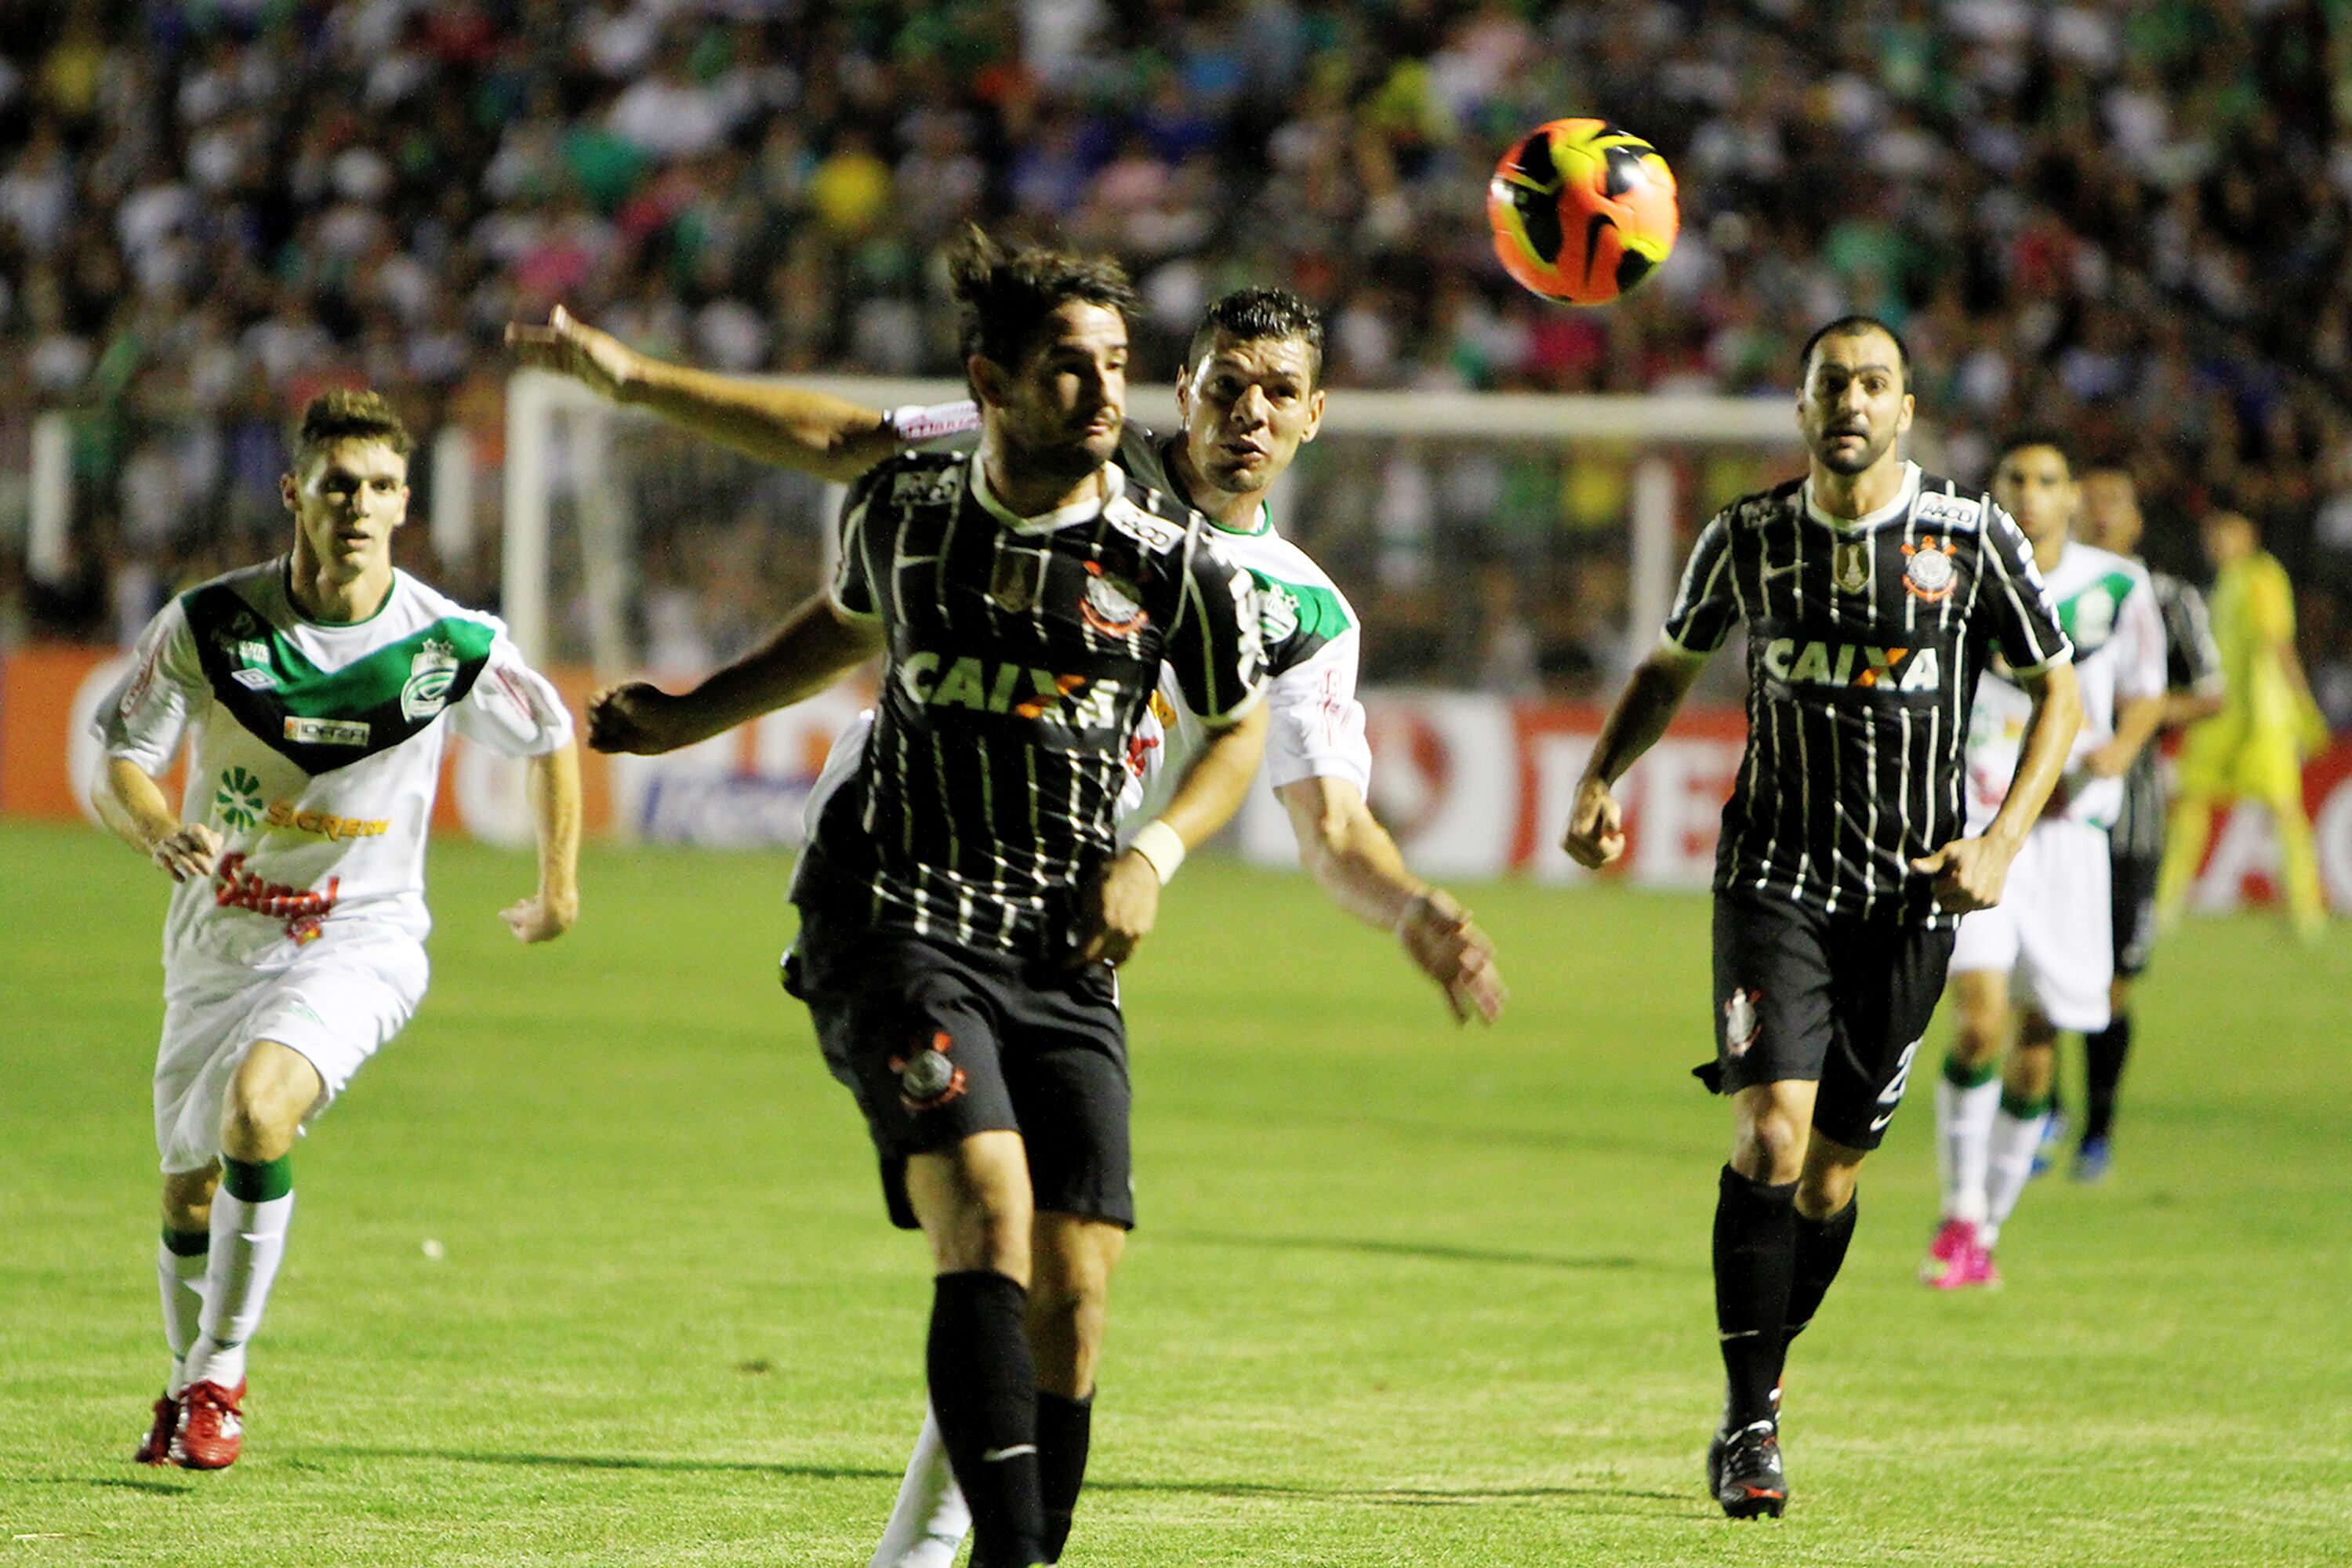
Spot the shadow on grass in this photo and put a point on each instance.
(1400, 1497)
(121, 1483)
(1428, 1251)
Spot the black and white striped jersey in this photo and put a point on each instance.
(1021, 653)
(2192, 662)
(1864, 641)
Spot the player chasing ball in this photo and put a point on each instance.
(963, 898)
(1873, 596)
(313, 688)
(2050, 940)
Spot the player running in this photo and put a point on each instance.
(1873, 596)
(1249, 396)
(2253, 749)
(2110, 520)
(314, 687)
(2050, 938)
(962, 899)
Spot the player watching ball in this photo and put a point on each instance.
(1874, 597)
(315, 688)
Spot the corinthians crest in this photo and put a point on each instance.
(1108, 604)
(430, 675)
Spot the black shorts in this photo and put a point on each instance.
(939, 1042)
(1831, 999)
(2131, 892)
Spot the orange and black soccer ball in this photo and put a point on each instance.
(1583, 211)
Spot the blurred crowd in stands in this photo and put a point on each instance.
(2126, 220)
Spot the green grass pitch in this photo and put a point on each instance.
(1403, 1295)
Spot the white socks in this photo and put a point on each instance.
(2013, 1142)
(1964, 1122)
(183, 1282)
(931, 1517)
(248, 1241)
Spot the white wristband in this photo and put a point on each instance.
(1163, 846)
(916, 423)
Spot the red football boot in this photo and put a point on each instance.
(212, 1427)
(155, 1448)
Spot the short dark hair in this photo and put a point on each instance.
(1003, 296)
(1253, 315)
(348, 413)
(2019, 440)
(1854, 327)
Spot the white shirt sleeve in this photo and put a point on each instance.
(1315, 724)
(143, 718)
(2141, 671)
(512, 709)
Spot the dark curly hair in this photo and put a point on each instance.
(1003, 296)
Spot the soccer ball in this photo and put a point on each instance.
(1581, 211)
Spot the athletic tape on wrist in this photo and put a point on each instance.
(918, 423)
(1163, 846)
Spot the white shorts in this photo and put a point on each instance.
(2052, 932)
(338, 1003)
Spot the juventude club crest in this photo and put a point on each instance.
(430, 675)
(238, 799)
(1850, 565)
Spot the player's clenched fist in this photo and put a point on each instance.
(636, 716)
(1969, 872)
(1596, 827)
(187, 851)
(1118, 911)
(570, 346)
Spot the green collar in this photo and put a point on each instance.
(286, 588)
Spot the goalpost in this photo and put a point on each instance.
(563, 440)
(1500, 548)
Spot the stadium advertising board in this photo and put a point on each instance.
(1471, 786)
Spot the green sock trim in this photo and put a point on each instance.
(1960, 1077)
(2024, 1110)
(258, 1184)
(187, 1243)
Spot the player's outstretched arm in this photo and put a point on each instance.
(133, 806)
(1124, 902)
(1358, 865)
(554, 791)
(1596, 824)
(791, 426)
(1969, 872)
(816, 643)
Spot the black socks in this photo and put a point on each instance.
(2102, 1074)
(1755, 1261)
(984, 1391)
(1821, 1253)
(1064, 1429)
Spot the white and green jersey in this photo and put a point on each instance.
(315, 751)
(2108, 607)
(1313, 645)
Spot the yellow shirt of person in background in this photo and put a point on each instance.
(2254, 748)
